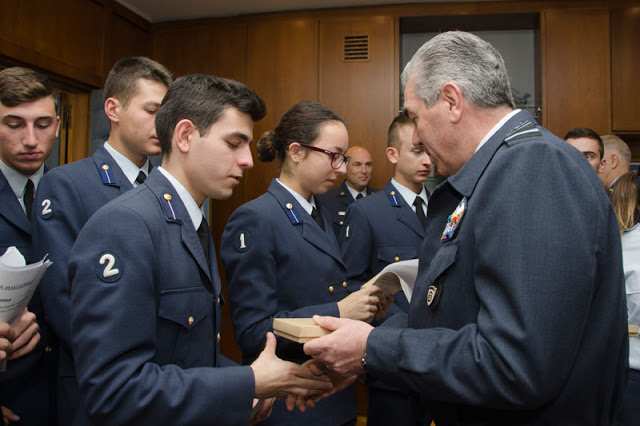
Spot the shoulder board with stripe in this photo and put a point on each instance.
(523, 130)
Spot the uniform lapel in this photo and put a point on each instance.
(324, 240)
(404, 213)
(176, 213)
(11, 208)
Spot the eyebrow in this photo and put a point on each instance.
(238, 135)
(18, 117)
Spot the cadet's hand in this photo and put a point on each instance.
(342, 350)
(319, 368)
(360, 305)
(26, 335)
(383, 304)
(7, 334)
(9, 416)
(277, 378)
(264, 410)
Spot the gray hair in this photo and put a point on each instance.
(618, 146)
(464, 59)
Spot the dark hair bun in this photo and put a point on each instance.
(265, 147)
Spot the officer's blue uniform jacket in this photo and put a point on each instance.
(336, 201)
(145, 317)
(66, 198)
(25, 387)
(518, 315)
(280, 263)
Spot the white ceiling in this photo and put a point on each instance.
(176, 10)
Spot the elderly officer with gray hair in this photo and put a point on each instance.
(518, 314)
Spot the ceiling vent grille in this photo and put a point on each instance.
(356, 48)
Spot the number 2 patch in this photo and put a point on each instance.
(108, 266)
(46, 211)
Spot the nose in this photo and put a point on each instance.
(415, 139)
(246, 159)
(426, 160)
(30, 138)
(342, 169)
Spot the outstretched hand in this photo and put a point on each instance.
(275, 377)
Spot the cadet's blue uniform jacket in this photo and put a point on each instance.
(379, 230)
(337, 200)
(518, 314)
(66, 198)
(25, 387)
(280, 263)
(145, 317)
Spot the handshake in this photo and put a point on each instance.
(335, 364)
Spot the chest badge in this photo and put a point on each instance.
(454, 221)
(432, 294)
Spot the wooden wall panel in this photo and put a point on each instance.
(625, 56)
(577, 70)
(124, 38)
(364, 93)
(282, 67)
(63, 37)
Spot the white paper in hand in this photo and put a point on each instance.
(18, 281)
(395, 277)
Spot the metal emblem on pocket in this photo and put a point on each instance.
(432, 294)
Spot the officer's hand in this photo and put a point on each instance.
(360, 305)
(9, 416)
(261, 410)
(277, 378)
(26, 335)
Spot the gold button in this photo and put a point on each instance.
(341, 222)
(289, 206)
(105, 167)
(190, 320)
(219, 338)
(48, 349)
(167, 197)
(342, 193)
(218, 300)
(393, 193)
(344, 284)
(330, 289)
(396, 258)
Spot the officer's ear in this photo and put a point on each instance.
(183, 135)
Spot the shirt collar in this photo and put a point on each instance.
(196, 213)
(355, 193)
(306, 205)
(408, 195)
(496, 128)
(17, 180)
(127, 166)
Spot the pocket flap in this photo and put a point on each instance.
(186, 306)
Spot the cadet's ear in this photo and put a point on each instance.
(183, 135)
(392, 154)
(296, 152)
(112, 108)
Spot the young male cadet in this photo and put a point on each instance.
(617, 157)
(386, 228)
(69, 195)
(354, 187)
(145, 294)
(28, 128)
(518, 315)
(589, 143)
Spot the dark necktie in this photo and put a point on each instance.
(203, 235)
(359, 195)
(28, 197)
(317, 217)
(141, 177)
(419, 211)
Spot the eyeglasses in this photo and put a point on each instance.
(337, 159)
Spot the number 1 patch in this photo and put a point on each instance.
(109, 268)
(243, 240)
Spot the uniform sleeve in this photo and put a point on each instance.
(248, 250)
(533, 298)
(114, 327)
(356, 245)
(58, 220)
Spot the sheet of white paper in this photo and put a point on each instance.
(18, 281)
(397, 276)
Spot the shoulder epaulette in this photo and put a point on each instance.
(523, 130)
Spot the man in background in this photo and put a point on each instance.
(354, 187)
(384, 228)
(617, 157)
(69, 195)
(28, 128)
(590, 144)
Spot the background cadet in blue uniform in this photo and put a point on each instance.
(518, 314)
(590, 144)
(280, 262)
(69, 195)
(383, 229)
(28, 128)
(145, 294)
(355, 186)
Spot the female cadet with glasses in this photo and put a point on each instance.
(281, 256)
